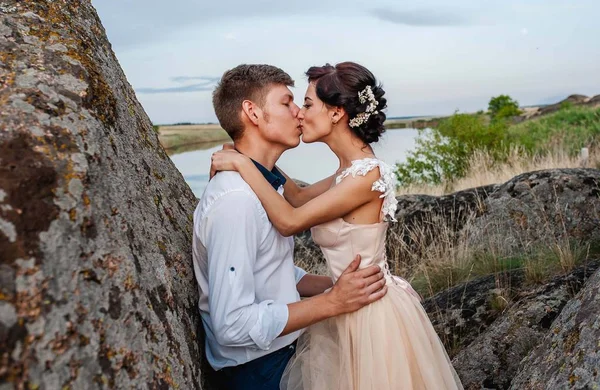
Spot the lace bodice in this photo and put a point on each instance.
(386, 184)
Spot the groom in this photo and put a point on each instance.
(249, 287)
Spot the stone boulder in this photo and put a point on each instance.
(549, 208)
(569, 355)
(461, 313)
(492, 359)
(97, 286)
(546, 208)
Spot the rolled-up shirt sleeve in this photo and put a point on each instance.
(232, 237)
(299, 273)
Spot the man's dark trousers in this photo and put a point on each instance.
(263, 373)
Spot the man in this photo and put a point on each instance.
(249, 287)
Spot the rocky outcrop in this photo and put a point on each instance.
(544, 208)
(572, 100)
(308, 255)
(490, 354)
(491, 323)
(549, 208)
(569, 355)
(96, 282)
(594, 102)
(537, 209)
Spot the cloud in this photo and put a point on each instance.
(420, 17)
(206, 84)
(135, 22)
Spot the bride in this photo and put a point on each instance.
(391, 343)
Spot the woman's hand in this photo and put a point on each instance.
(227, 160)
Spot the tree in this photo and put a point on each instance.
(503, 106)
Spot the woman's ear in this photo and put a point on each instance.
(337, 115)
(251, 111)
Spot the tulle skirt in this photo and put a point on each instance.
(390, 344)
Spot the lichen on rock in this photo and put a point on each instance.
(87, 298)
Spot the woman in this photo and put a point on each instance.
(391, 343)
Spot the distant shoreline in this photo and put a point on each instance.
(176, 137)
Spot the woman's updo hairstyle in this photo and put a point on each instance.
(340, 86)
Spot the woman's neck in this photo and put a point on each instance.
(348, 147)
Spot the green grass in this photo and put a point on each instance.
(571, 128)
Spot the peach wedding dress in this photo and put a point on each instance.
(389, 344)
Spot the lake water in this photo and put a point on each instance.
(308, 162)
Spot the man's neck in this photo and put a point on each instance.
(260, 151)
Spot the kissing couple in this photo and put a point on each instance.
(358, 328)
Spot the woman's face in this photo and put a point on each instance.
(314, 117)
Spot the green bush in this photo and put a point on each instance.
(502, 107)
(442, 154)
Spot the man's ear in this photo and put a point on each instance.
(252, 111)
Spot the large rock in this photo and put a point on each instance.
(461, 313)
(569, 355)
(307, 255)
(549, 208)
(96, 283)
(492, 359)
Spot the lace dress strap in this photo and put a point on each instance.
(386, 184)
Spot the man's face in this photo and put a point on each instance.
(279, 123)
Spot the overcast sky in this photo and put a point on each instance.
(432, 56)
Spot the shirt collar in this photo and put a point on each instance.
(274, 177)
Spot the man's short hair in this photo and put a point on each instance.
(244, 82)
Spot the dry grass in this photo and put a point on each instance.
(450, 260)
(438, 257)
(484, 171)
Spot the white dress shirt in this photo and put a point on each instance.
(245, 274)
